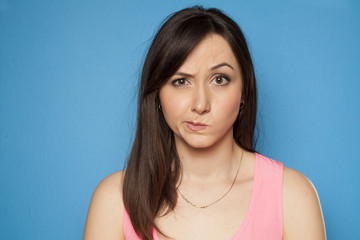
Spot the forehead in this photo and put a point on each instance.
(211, 51)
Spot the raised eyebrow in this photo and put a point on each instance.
(221, 65)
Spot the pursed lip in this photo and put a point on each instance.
(196, 126)
(196, 123)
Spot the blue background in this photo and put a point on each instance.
(68, 80)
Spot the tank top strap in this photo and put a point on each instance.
(129, 231)
(128, 228)
(267, 212)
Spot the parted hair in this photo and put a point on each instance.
(154, 168)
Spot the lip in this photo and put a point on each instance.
(196, 126)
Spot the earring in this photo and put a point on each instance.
(159, 107)
(241, 108)
(242, 105)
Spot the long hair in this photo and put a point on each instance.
(153, 168)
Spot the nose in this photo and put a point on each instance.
(201, 100)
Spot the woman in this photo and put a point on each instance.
(193, 172)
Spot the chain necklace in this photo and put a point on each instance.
(206, 206)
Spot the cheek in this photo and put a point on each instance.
(229, 107)
(172, 105)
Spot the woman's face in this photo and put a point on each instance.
(201, 101)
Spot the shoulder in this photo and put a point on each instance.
(302, 211)
(104, 219)
(112, 184)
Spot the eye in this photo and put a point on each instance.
(220, 80)
(181, 82)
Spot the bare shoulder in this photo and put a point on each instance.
(303, 217)
(296, 185)
(104, 219)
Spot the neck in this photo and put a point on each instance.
(206, 164)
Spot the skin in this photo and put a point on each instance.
(207, 89)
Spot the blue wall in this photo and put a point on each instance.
(68, 78)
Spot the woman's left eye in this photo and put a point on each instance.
(220, 80)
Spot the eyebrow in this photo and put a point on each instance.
(221, 65)
(224, 64)
(183, 74)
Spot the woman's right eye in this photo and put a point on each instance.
(181, 82)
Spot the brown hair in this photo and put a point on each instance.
(153, 168)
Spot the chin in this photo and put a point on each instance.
(200, 146)
(202, 143)
(205, 141)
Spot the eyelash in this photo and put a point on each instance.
(176, 82)
(222, 76)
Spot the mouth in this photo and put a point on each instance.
(196, 126)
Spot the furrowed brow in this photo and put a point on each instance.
(183, 74)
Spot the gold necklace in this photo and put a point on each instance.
(206, 206)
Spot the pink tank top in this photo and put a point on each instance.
(264, 217)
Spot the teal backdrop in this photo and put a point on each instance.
(68, 78)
